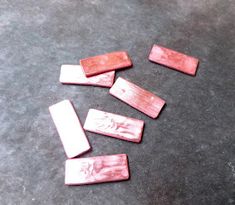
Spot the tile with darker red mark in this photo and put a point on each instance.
(114, 125)
(106, 62)
(73, 74)
(137, 97)
(174, 59)
(98, 169)
(69, 128)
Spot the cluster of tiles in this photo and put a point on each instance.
(100, 71)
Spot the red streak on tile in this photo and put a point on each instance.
(137, 97)
(73, 74)
(114, 125)
(174, 59)
(104, 63)
(96, 169)
(69, 128)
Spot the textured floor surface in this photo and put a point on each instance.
(187, 154)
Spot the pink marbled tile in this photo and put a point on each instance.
(174, 59)
(114, 125)
(137, 97)
(106, 62)
(73, 74)
(69, 128)
(96, 169)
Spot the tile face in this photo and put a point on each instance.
(104, 63)
(69, 128)
(174, 59)
(114, 125)
(73, 74)
(137, 97)
(96, 169)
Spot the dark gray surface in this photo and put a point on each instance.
(187, 154)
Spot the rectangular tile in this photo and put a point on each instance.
(69, 128)
(73, 74)
(114, 125)
(96, 169)
(104, 63)
(174, 59)
(137, 97)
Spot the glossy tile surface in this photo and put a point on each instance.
(104, 63)
(174, 59)
(96, 169)
(73, 74)
(137, 97)
(114, 125)
(69, 128)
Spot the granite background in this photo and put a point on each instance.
(187, 154)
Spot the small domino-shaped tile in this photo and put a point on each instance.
(114, 125)
(174, 59)
(106, 62)
(69, 128)
(98, 169)
(137, 97)
(73, 74)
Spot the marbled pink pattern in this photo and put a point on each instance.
(137, 97)
(114, 125)
(96, 169)
(69, 128)
(174, 59)
(106, 62)
(73, 74)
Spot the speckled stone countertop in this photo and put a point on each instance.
(186, 155)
